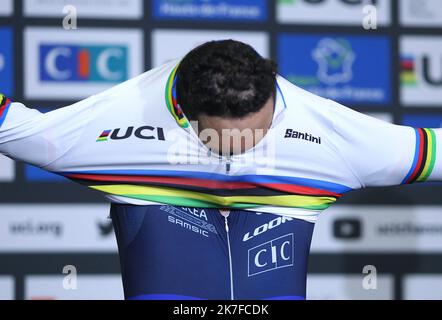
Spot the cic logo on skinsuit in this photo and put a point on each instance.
(76, 63)
(275, 254)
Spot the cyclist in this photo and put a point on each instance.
(217, 168)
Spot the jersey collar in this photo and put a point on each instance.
(171, 100)
(181, 119)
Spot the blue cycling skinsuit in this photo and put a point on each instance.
(193, 224)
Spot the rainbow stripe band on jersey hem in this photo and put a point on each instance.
(208, 190)
(424, 157)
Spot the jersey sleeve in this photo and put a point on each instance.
(41, 138)
(379, 153)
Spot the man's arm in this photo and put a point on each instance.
(39, 139)
(382, 154)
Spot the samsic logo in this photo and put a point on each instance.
(144, 132)
(75, 63)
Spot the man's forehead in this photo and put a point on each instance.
(252, 121)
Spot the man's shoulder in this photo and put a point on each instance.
(302, 104)
(298, 94)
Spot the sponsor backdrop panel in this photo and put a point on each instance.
(7, 173)
(379, 229)
(420, 13)
(348, 287)
(7, 288)
(86, 287)
(338, 66)
(214, 10)
(7, 75)
(7, 8)
(185, 40)
(423, 120)
(332, 12)
(56, 228)
(393, 73)
(421, 70)
(113, 9)
(423, 287)
(61, 64)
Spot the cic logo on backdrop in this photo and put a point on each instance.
(74, 63)
(71, 65)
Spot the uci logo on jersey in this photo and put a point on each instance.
(144, 132)
(275, 254)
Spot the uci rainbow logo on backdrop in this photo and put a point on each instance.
(421, 71)
(247, 10)
(338, 67)
(408, 70)
(88, 63)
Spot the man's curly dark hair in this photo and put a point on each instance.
(225, 78)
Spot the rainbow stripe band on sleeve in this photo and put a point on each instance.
(5, 103)
(424, 157)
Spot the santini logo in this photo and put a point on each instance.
(144, 132)
(290, 133)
